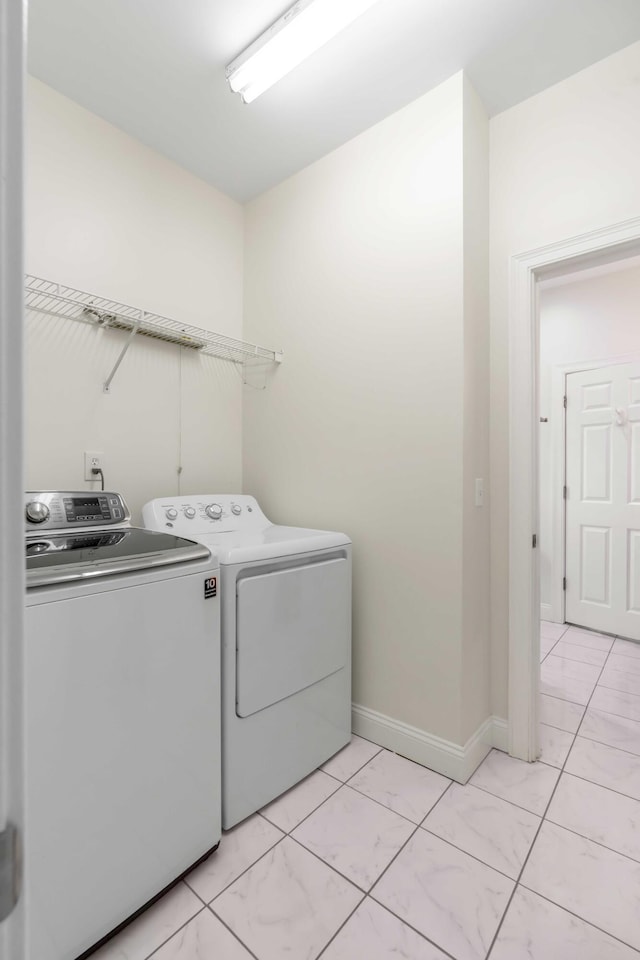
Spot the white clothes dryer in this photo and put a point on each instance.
(286, 642)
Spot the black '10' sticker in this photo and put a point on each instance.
(210, 587)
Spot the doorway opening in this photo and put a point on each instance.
(589, 504)
(528, 272)
(589, 403)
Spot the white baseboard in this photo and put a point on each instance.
(443, 756)
(500, 734)
(546, 612)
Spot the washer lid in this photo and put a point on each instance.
(270, 543)
(102, 553)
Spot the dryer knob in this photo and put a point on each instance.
(36, 511)
(213, 510)
(237, 509)
(171, 513)
(189, 513)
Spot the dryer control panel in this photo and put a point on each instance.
(68, 509)
(205, 513)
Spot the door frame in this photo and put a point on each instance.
(610, 243)
(558, 451)
(12, 71)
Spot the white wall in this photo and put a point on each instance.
(356, 265)
(587, 317)
(476, 660)
(562, 163)
(109, 216)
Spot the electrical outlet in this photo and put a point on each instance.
(92, 461)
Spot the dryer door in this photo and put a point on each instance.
(293, 629)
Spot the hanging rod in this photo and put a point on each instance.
(55, 299)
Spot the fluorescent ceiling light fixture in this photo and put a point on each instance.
(302, 30)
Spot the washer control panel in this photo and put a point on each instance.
(67, 509)
(205, 513)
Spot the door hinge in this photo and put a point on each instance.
(564, 401)
(564, 493)
(534, 540)
(564, 583)
(10, 870)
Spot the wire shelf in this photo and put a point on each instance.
(46, 296)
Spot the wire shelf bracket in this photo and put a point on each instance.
(55, 299)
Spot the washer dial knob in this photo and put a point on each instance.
(171, 513)
(236, 509)
(213, 510)
(36, 511)
(189, 513)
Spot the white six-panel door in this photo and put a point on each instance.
(603, 499)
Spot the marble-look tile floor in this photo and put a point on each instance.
(375, 857)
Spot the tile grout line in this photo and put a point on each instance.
(576, 703)
(353, 883)
(421, 766)
(347, 783)
(341, 927)
(232, 932)
(597, 843)
(382, 906)
(542, 821)
(603, 743)
(340, 783)
(578, 917)
(287, 833)
(201, 899)
(588, 704)
(394, 858)
(591, 632)
(585, 706)
(367, 892)
(518, 805)
(617, 690)
(622, 716)
(610, 713)
(367, 797)
(211, 904)
(552, 696)
(417, 826)
(149, 956)
(542, 659)
(471, 855)
(538, 816)
(329, 866)
(593, 783)
(362, 766)
(412, 834)
(565, 656)
(553, 726)
(208, 903)
(598, 667)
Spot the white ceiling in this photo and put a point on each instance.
(155, 68)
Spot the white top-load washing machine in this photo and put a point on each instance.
(122, 708)
(286, 642)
